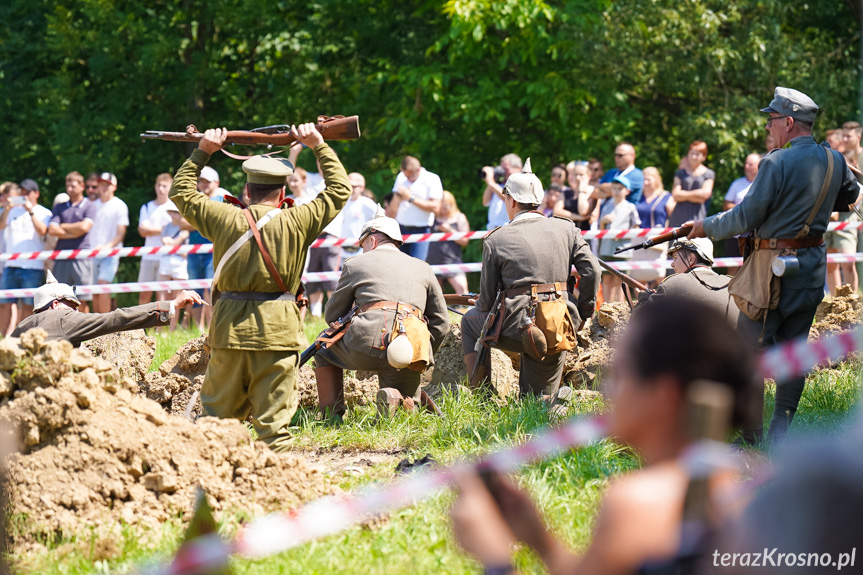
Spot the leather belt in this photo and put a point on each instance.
(391, 306)
(257, 296)
(540, 288)
(788, 243)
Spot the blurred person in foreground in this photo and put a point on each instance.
(663, 352)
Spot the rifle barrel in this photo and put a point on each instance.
(623, 277)
(660, 239)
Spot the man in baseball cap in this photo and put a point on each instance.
(530, 259)
(56, 311)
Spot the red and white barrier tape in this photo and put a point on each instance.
(637, 233)
(278, 532)
(312, 277)
(796, 358)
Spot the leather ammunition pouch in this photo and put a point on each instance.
(410, 321)
(548, 329)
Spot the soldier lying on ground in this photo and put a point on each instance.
(55, 308)
(667, 349)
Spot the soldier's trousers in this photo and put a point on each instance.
(264, 383)
(535, 377)
(790, 320)
(406, 381)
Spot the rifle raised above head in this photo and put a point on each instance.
(331, 128)
(680, 232)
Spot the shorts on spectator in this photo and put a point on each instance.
(843, 240)
(149, 271)
(323, 260)
(21, 278)
(200, 267)
(105, 269)
(173, 267)
(75, 273)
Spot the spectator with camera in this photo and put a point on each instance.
(418, 194)
(495, 178)
(23, 225)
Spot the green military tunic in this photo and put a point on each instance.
(259, 325)
(255, 344)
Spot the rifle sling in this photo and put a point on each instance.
(825, 187)
(268, 261)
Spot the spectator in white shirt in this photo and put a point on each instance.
(152, 220)
(492, 197)
(109, 229)
(356, 213)
(24, 224)
(417, 196)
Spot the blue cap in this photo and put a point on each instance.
(792, 103)
(623, 181)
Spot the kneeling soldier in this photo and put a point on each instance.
(694, 279)
(400, 321)
(527, 263)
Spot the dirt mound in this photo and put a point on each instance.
(179, 377)
(595, 345)
(92, 453)
(131, 352)
(358, 390)
(841, 313)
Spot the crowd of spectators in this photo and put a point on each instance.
(90, 214)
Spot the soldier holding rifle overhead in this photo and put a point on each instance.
(525, 268)
(255, 337)
(786, 213)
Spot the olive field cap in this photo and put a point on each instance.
(381, 224)
(524, 187)
(789, 102)
(209, 174)
(29, 185)
(702, 246)
(53, 291)
(263, 170)
(623, 181)
(108, 177)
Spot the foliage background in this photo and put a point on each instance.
(456, 83)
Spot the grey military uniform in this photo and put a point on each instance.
(701, 284)
(532, 249)
(383, 274)
(781, 197)
(79, 327)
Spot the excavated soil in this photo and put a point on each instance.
(131, 352)
(179, 377)
(595, 343)
(841, 313)
(92, 453)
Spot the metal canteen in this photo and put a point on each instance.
(785, 266)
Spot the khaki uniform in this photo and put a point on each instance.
(383, 274)
(255, 344)
(79, 327)
(695, 284)
(532, 249)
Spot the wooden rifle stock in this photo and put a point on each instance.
(680, 232)
(628, 280)
(331, 335)
(331, 128)
(460, 298)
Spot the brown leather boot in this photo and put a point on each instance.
(388, 400)
(331, 392)
(429, 404)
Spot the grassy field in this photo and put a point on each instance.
(418, 540)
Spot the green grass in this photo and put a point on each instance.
(416, 540)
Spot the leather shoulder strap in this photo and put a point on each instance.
(268, 261)
(825, 187)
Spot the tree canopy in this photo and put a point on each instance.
(456, 83)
